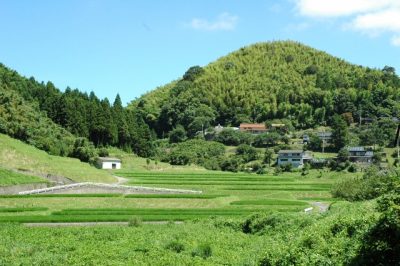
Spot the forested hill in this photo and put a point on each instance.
(70, 123)
(273, 80)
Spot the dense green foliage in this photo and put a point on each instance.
(336, 238)
(22, 120)
(194, 151)
(43, 116)
(371, 185)
(272, 80)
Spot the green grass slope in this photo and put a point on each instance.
(15, 154)
(8, 178)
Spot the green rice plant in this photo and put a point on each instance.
(173, 196)
(270, 202)
(23, 209)
(318, 198)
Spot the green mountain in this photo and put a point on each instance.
(274, 80)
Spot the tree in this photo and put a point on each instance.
(120, 122)
(192, 73)
(178, 134)
(340, 134)
(83, 150)
(315, 143)
(247, 152)
(268, 156)
(343, 155)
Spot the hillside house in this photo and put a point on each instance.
(253, 128)
(360, 155)
(108, 163)
(326, 137)
(297, 158)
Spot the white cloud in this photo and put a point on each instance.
(224, 22)
(372, 17)
(387, 20)
(338, 8)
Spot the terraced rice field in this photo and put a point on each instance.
(224, 194)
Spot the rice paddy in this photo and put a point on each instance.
(223, 194)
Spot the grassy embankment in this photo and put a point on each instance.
(17, 155)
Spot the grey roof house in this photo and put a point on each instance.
(297, 158)
(360, 155)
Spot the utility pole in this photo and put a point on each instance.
(397, 141)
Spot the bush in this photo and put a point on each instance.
(232, 137)
(135, 221)
(83, 150)
(177, 135)
(195, 151)
(230, 164)
(175, 246)
(352, 168)
(247, 152)
(179, 157)
(103, 152)
(373, 184)
(287, 167)
(203, 250)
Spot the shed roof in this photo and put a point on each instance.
(355, 148)
(290, 151)
(109, 159)
(258, 126)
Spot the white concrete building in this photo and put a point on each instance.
(297, 158)
(108, 163)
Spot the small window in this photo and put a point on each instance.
(114, 166)
(284, 160)
(296, 160)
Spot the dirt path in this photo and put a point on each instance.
(121, 180)
(323, 207)
(94, 224)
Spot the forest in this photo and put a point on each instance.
(267, 81)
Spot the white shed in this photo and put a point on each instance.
(108, 163)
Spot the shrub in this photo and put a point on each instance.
(373, 184)
(352, 168)
(178, 134)
(203, 250)
(230, 164)
(175, 246)
(103, 152)
(247, 152)
(135, 221)
(83, 150)
(287, 167)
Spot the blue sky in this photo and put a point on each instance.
(130, 47)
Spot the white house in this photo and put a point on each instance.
(108, 163)
(297, 158)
